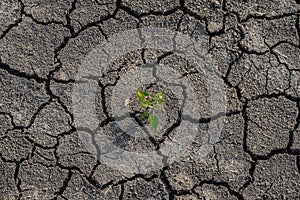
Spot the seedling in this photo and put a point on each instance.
(151, 106)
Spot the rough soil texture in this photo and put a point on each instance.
(256, 45)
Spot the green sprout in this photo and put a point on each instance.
(151, 106)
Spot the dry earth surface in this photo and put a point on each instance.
(256, 45)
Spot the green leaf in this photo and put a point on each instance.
(147, 104)
(159, 97)
(142, 94)
(145, 115)
(153, 121)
